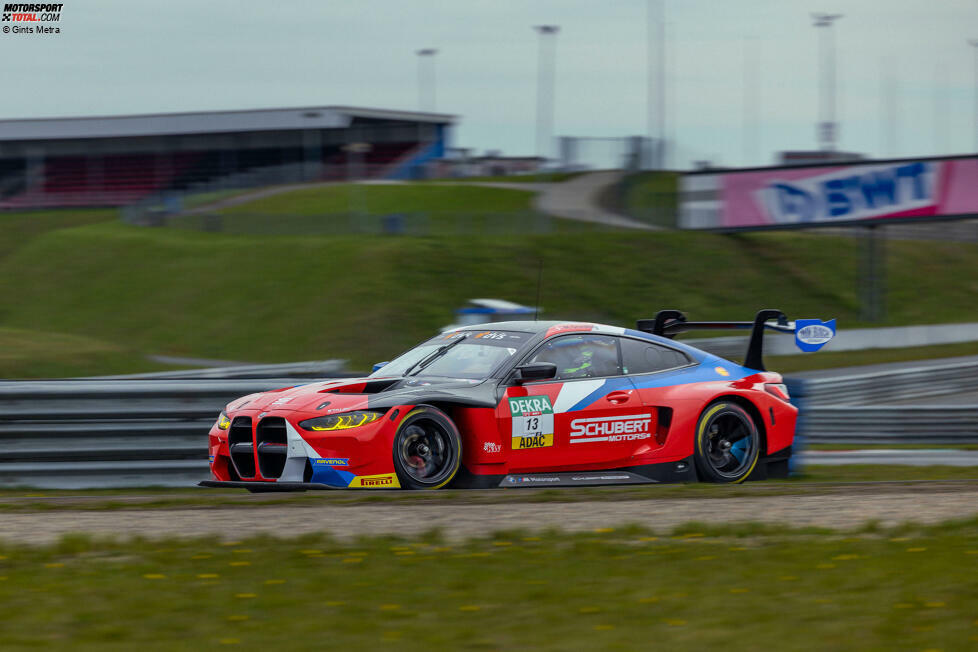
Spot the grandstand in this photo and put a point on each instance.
(121, 160)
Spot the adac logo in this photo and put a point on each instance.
(813, 334)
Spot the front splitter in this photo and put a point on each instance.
(263, 487)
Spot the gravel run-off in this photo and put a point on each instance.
(918, 503)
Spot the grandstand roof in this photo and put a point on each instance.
(205, 122)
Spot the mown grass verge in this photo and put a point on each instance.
(738, 587)
(277, 299)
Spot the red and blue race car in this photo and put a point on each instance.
(516, 404)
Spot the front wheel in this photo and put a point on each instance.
(728, 444)
(427, 449)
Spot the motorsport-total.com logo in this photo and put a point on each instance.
(30, 18)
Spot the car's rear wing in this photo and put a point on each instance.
(669, 323)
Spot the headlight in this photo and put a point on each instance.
(223, 422)
(341, 421)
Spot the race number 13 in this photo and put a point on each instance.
(533, 422)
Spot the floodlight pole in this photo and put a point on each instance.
(827, 130)
(426, 100)
(974, 43)
(546, 65)
(656, 92)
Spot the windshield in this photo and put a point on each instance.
(475, 357)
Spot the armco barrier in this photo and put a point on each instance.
(118, 433)
(895, 384)
(112, 433)
(895, 424)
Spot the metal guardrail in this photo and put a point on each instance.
(895, 384)
(142, 432)
(895, 424)
(112, 433)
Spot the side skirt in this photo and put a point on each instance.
(668, 472)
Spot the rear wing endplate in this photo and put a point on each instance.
(669, 323)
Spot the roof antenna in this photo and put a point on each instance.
(536, 308)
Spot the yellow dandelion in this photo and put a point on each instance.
(154, 576)
(3, 578)
(706, 558)
(971, 552)
(648, 538)
(737, 548)
(56, 564)
(739, 590)
(603, 628)
(274, 581)
(238, 617)
(531, 539)
(242, 551)
(246, 596)
(390, 607)
(230, 641)
(239, 563)
(440, 549)
(845, 557)
(479, 554)
(502, 544)
(674, 622)
(916, 549)
(404, 552)
(207, 576)
(603, 530)
(898, 539)
(353, 560)
(934, 605)
(469, 607)
(2, 557)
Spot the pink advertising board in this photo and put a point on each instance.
(821, 195)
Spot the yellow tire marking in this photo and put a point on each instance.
(699, 440)
(458, 440)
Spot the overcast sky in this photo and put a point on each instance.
(117, 57)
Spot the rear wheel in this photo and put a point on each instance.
(728, 444)
(427, 449)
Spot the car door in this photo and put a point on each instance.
(589, 416)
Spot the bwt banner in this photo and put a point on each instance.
(829, 194)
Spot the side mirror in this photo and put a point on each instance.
(535, 371)
(379, 365)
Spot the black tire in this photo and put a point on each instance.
(427, 449)
(728, 444)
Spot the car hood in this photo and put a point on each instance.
(332, 396)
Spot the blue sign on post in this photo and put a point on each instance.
(813, 334)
